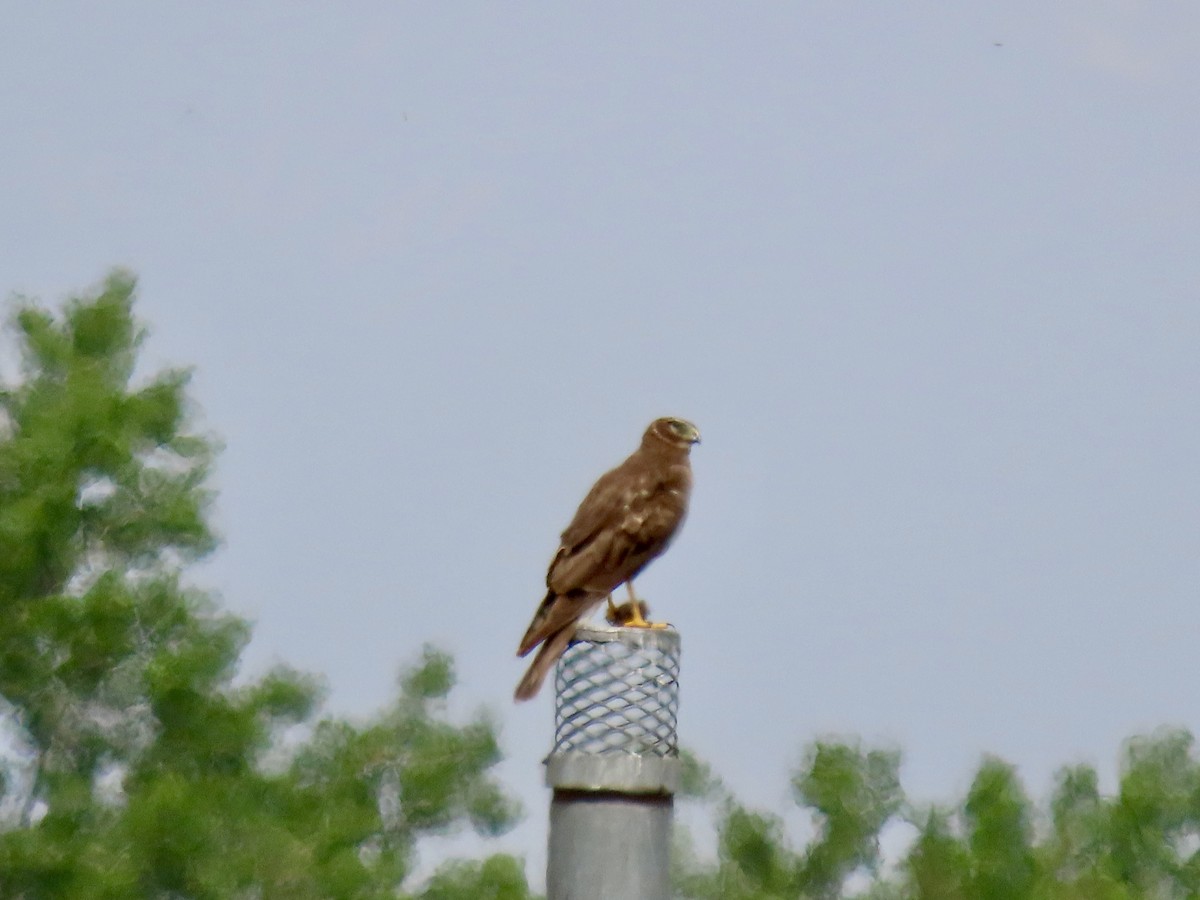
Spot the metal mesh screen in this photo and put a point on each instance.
(616, 690)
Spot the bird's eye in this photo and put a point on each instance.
(678, 427)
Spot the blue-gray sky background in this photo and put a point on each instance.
(927, 277)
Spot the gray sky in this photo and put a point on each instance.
(926, 275)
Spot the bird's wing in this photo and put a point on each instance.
(600, 508)
(593, 554)
(607, 529)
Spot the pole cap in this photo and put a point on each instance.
(616, 709)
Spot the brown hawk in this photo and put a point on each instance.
(627, 519)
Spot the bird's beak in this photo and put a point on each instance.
(695, 436)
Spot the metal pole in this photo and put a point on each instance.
(614, 769)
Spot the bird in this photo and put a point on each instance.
(627, 519)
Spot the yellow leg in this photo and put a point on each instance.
(637, 612)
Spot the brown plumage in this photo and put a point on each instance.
(627, 519)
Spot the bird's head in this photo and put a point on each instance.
(672, 431)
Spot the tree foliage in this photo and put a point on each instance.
(1143, 843)
(134, 765)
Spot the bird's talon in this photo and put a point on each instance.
(632, 615)
(636, 616)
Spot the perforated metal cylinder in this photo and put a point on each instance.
(614, 768)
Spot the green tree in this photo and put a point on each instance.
(996, 844)
(134, 765)
(850, 793)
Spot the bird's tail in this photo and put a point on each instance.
(537, 628)
(553, 647)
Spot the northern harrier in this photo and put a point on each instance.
(627, 519)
